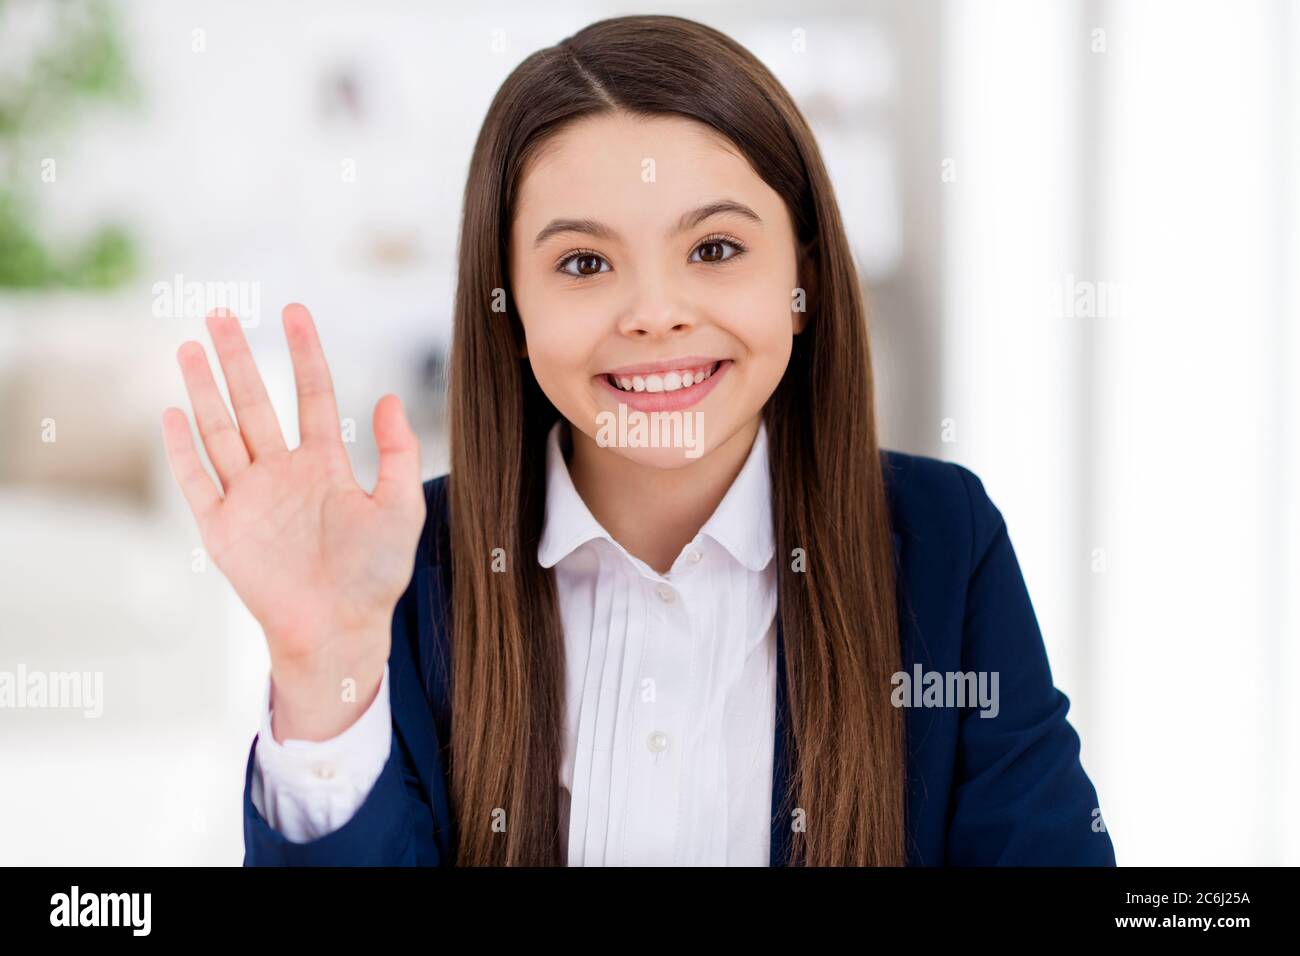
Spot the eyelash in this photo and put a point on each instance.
(740, 250)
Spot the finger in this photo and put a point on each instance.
(220, 436)
(196, 484)
(399, 485)
(318, 413)
(253, 411)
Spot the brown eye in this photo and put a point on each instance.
(717, 250)
(587, 264)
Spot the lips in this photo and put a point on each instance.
(670, 386)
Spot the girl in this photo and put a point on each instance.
(759, 640)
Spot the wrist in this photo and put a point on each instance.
(317, 700)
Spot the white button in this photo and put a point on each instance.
(666, 593)
(323, 770)
(694, 557)
(657, 742)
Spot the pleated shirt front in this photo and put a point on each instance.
(670, 681)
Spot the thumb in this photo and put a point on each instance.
(399, 485)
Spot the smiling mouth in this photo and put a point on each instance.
(674, 380)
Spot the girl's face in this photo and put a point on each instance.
(652, 268)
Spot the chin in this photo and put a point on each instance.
(666, 459)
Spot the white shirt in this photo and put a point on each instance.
(670, 694)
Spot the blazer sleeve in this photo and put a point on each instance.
(385, 831)
(1021, 797)
(395, 824)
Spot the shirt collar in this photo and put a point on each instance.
(569, 523)
(742, 522)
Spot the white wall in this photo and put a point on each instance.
(1144, 450)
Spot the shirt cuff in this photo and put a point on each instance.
(308, 788)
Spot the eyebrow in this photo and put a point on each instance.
(688, 220)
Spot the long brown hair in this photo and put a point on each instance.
(838, 616)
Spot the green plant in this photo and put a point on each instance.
(75, 63)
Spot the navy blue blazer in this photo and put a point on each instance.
(1003, 790)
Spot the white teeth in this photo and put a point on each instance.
(667, 382)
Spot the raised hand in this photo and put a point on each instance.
(319, 562)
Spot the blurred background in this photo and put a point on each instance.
(1077, 223)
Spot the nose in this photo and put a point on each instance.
(656, 313)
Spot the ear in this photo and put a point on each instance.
(807, 273)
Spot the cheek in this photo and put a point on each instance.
(555, 369)
(561, 343)
(763, 323)
(561, 334)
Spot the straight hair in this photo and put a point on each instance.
(838, 615)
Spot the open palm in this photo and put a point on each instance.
(316, 559)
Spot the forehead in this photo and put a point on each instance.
(613, 166)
